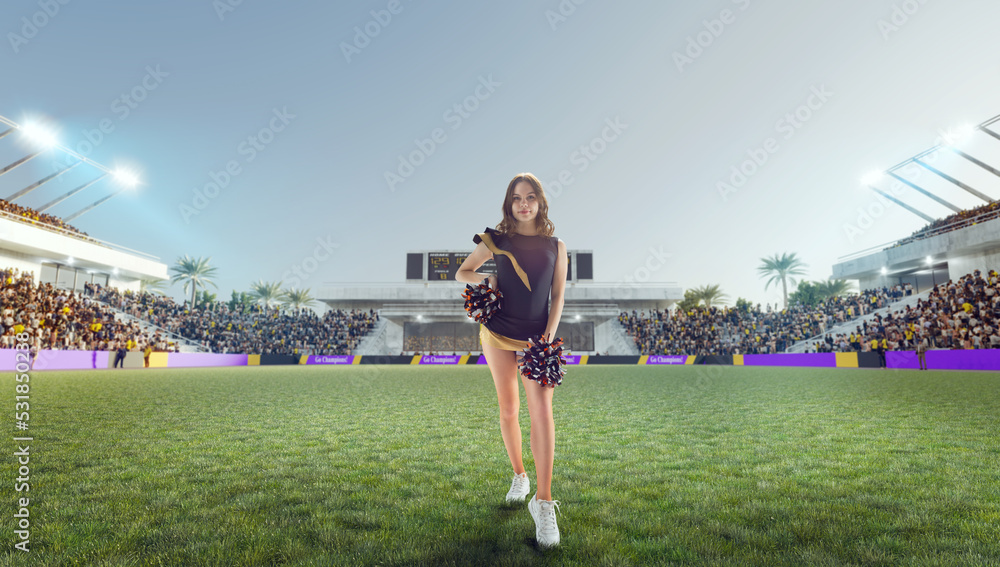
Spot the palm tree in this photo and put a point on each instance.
(834, 288)
(296, 298)
(779, 268)
(711, 294)
(152, 286)
(194, 272)
(266, 292)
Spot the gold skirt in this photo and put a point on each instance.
(488, 337)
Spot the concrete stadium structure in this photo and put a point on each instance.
(68, 260)
(947, 254)
(591, 309)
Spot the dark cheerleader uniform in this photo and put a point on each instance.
(525, 265)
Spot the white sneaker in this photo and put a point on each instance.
(519, 488)
(544, 513)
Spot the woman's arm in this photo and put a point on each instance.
(467, 271)
(558, 292)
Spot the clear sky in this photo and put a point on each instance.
(643, 107)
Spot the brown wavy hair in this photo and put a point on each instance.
(543, 225)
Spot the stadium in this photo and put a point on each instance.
(330, 413)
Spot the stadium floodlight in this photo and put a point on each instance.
(872, 177)
(39, 136)
(930, 260)
(885, 270)
(126, 178)
(70, 260)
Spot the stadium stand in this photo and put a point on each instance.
(41, 220)
(956, 221)
(96, 319)
(247, 329)
(60, 319)
(962, 314)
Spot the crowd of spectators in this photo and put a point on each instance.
(963, 314)
(753, 330)
(29, 215)
(956, 221)
(60, 319)
(246, 328)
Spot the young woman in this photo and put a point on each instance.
(531, 264)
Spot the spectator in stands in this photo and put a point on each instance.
(29, 215)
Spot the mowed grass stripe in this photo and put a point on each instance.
(402, 465)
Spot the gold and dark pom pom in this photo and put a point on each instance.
(481, 301)
(542, 361)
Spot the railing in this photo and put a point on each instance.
(958, 224)
(62, 231)
(179, 339)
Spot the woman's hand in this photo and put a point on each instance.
(493, 281)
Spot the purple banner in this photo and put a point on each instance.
(902, 359)
(568, 358)
(330, 359)
(821, 359)
(7, 359)
(984, 359)
(571, 358)
(72, 360)
(198, 359)
(440, 359)
(666, 359)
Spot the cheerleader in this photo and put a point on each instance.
(531, 264)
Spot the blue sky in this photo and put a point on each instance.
(309, 129)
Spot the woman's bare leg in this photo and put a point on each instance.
(503, 366)
(543, 435)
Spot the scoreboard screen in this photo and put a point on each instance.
(442, 266)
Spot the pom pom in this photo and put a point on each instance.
(542, 361)
(481, 301)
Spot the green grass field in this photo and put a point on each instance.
(405, 465)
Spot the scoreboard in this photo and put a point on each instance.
(442, 266)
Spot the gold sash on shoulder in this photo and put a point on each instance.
(488, 240)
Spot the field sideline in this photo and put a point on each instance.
(404, 465)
